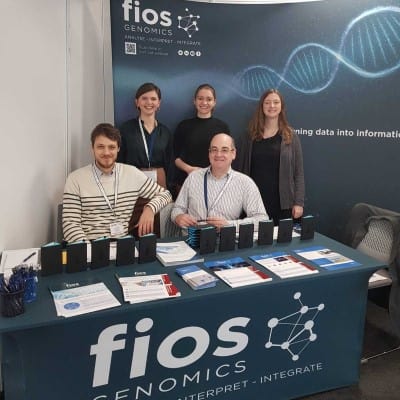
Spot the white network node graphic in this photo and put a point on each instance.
(188, 23)
(294, 332)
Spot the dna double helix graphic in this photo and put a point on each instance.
(370, 47)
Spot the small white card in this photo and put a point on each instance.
(151, 173)
(116, 228)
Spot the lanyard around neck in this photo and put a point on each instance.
(102, 191)
(219, 194)
(152, 137)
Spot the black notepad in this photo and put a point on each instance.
(285, 229)
(265, 233)
(100, 253)
(246, 232)
(227, 238)
(125, 251)
(307, 227)
(147, 248)
(208, 240)
(51, 259)
(76, 257)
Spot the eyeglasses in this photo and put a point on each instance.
(223, 150)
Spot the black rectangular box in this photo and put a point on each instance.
(265, 233)
(100, 253)
(285, 229)
(307, 227)
(125, 251)
(51, 259)
(227, 238)
(208, 240)
(76, 257)
(147, 248)
(246, 233)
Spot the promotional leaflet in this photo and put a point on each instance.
(284, 265)
(326, 258)
(196, 277)
(237, 272)
(139, 289)
(79, 298)
(242, 276)
(229, 263)
(176, 253)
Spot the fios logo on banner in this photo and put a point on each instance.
(107, 344)
(155, 31)
(134, 13)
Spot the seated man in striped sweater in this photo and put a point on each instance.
(99, 198)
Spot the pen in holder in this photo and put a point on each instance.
(27, 275)
(30, 292)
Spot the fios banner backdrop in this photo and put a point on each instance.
(336, 62)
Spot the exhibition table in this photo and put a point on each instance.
(219, 342)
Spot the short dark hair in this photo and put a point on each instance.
(107, 130)
(148, 87)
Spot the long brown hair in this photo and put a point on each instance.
(256, 124)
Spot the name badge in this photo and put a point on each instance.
(116, 229)
(151, 173)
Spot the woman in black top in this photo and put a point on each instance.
(192, 136)
(147, 143)
(271, 154)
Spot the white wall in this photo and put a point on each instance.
(90, 74)
(56, 85)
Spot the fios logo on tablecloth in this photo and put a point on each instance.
(291, 334)
(107, 344)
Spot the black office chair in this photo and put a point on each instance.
(377, 243)
(376, 232)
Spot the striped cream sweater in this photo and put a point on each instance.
(87, 216)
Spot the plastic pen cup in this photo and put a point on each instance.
(30, 292)
(12, 303)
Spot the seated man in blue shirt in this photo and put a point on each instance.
(218, 195)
